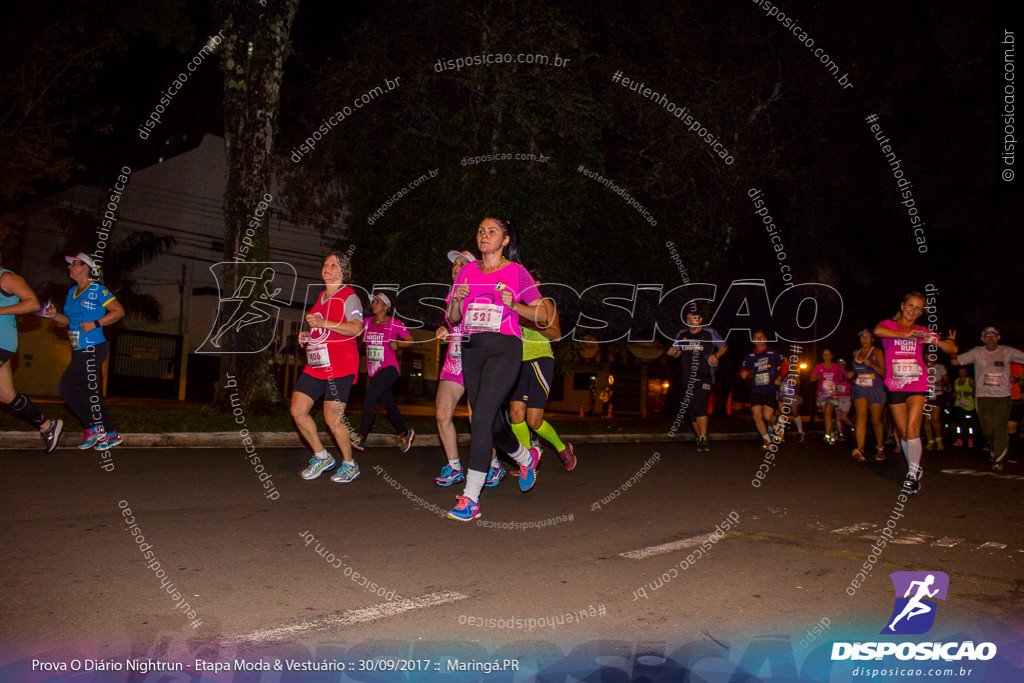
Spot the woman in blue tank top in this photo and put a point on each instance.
(869, 397)
(17, 298)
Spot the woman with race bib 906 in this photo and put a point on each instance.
(332, 363)
(907, 377)
(488, 297)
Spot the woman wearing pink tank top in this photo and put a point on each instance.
(904, 344)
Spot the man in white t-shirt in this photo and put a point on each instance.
(992, 389)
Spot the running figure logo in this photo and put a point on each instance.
(914, 612)
(247, 320)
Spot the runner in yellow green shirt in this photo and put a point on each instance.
(526, 408)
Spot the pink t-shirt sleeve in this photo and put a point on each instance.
(395, 330)
(460, 279)
(527, 287)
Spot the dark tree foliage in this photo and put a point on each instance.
(794, 131)
(51, 56)
(255, 46)
(124, 258)
(433, 121)
(931, 72)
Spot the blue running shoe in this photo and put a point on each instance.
(108, 441)
(494, 476)
(91, 436)
(528, 473)
(466, 511)
(317, 467)
(347, 473)
(450, 475)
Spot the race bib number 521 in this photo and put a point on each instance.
(482, 317)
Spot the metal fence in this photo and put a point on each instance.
(144, 364)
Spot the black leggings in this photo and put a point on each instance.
(81, 383)
(490, 366)
(378, 390)
(505, 439)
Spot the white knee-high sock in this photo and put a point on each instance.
(474, 484)
(913, 453)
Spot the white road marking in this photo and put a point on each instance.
(983, 473)
(349, 617)
(948, 541)
(652, 550)
(911, 538)
(992, 545)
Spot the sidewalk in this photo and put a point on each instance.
(588, 430)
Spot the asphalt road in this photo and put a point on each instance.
(295, 574)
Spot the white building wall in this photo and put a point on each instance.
(182, 197)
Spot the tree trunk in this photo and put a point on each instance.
(253, 51)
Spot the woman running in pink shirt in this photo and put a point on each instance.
(488, 297)
(827, 374)
(904, 345)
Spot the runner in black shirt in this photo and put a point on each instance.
(700, 348)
